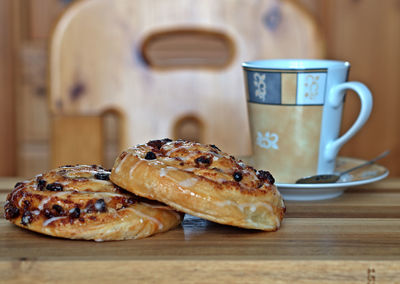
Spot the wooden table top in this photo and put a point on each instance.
(353, 238)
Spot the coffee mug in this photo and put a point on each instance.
(295, 110)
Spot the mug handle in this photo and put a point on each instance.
(335, 100)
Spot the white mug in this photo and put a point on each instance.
(295, 110)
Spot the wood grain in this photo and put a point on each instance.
(76, 140)
(33, 120)
(7, 111)
(345, 246)
(42, 15)
(315, 238)
(209, 271)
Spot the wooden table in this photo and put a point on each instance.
(353, 238)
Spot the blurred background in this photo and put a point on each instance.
(364, 32)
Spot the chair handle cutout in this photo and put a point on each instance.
(188, 49)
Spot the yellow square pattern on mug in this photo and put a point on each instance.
(289, 88)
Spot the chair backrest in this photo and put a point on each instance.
(116, 55)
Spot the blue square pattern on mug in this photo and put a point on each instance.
(267, 87)
(264, 87)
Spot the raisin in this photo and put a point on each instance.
(11, 212)
(237, 176)
(265, 175)
(41, 184)
(150, 156)
(203, 161)
(157, 144)
(102, 176)
(58, 209)
(54, 186)
(26, 218)
(100, 205)
(74, 213)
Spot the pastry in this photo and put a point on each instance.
(201, 180)
(79, 202)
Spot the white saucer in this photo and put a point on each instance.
(307, 192)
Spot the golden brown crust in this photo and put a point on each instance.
(80, 202)
(201, 180)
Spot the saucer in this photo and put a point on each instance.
(307, 192)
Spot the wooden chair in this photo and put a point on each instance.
(167, 68)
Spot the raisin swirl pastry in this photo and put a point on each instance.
(203, 181)
(79, 202)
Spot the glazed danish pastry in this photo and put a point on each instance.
(203, 181)
(79, 202)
